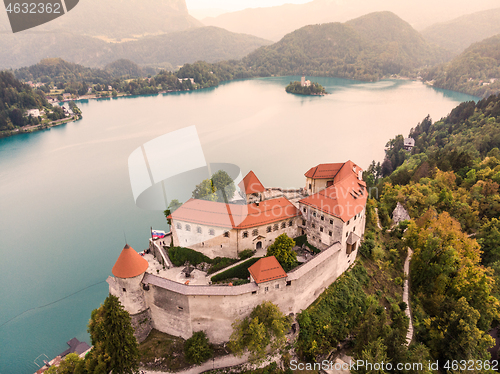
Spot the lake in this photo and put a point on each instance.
(66, 203)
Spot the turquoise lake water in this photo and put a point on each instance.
(66, 200)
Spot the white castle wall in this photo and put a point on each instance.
(219, 245)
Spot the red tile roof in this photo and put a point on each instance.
(346, 198)
(237, 216)
(251, 184)
(266, 269)
(324, 171)
(336, 171)
(129, 264)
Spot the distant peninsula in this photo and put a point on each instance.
(305, 87)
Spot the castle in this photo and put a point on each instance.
(330, 210)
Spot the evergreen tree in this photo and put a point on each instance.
(112, 335)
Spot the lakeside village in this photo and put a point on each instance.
(162, 291)
(57, 112)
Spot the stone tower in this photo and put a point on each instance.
(129, 270)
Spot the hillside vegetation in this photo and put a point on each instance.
(449, 183)
(458, 34)
(209, 44)
(366, 48)
(476, 71)
(15, 99)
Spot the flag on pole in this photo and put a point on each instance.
(158, 234)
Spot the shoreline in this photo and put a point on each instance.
(17, 131)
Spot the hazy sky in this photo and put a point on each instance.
(238, 4)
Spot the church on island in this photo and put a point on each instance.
(329, 210)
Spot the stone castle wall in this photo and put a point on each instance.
(180, 310)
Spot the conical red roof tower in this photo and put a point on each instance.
(129, 264)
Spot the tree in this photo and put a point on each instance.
(72, 364)
(454, 289)
(172, 207)
(115, 347)
(224, 186)
(205, 191)
(197, 348)
(374, 353)
(282, 249)
(266, 325)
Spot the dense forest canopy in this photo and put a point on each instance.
(366, 48)
(449, 183)
(15, 99)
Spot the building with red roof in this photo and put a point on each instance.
(252, 188)
(129, 264)
(265, 270)
(224, 230)
(335, 195)
(335, 207)
(330, 211)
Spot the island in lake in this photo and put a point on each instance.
(305, 87)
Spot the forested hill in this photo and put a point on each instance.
(168, 51)
(55, 70)
(15, 99)
(458, 34)
(476, 71)
(449, 183)
(366, 48)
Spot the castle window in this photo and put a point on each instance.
(277, 285)
(310, 186)
(255, 232)
(305, 210)
(254, 292)
(188, 228)
(226, 234)
(290, 224)
(346, 234)
(303, 222)
(330, 233)
(179, 226)
(314, 214)
(268, 229)
(245, 234)
(348, 222)
(321, 229)
(276, 227)
(180, 308)
(124, 290)
(313, 226)
(211, 232)
(322, 218)
(266, 289)
(331, 222)
(288, 283)
(198, 230)
(283, 225)
(355, 217)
